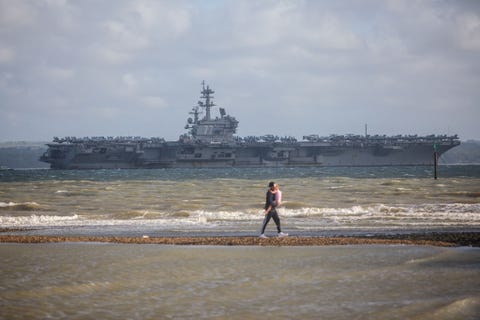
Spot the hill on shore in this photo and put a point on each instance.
(22, 154)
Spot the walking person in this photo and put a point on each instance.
(270, 210)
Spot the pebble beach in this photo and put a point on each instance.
(451, 239)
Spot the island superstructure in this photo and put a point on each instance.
(211, 142)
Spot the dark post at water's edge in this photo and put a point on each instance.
(435, 161)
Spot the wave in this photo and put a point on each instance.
(36, 220)
(453, 208)
(293, 205)
(135, 214)
(456, 214)
(465, 194)
(210, 216)
(466, 308)
(181, 214)
(82, 192)
(23, 206)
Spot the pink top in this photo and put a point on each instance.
(278, 197)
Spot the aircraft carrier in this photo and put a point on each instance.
(210, 142)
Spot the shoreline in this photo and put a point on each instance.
(453, 239)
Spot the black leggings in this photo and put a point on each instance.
(272, 214)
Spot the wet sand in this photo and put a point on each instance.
(429, 239)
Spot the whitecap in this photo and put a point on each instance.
(36, 220)
(23, 206)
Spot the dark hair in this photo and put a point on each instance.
(271, 184)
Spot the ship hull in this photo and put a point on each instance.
(177, 155)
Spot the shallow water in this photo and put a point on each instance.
(316, 200)
(111, 281)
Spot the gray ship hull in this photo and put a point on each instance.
(261, 155)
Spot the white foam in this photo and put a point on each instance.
(33, 221)
(36, 220)
(351, 217)
(29, 205)
(204, 215)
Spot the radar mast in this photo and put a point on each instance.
(207, 95)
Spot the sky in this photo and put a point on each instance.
(289, 68)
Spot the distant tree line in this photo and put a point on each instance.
(467, 152)
(22, 157)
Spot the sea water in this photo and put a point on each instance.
(113, 281)
(120, 281)
(230, 201)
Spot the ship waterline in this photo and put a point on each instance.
(210, 143)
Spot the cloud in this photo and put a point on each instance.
(469, 31)
(6, 55)
(130, 81)
(296, 66)
(283, 24)
(16, 15)
(138, 26)
(154, 102)
(57, 73)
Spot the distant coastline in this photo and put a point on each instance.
(22, 154)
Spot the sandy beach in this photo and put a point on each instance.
(450, 239)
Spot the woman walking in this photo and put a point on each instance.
(273, 199)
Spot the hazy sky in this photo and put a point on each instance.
(134, 68)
